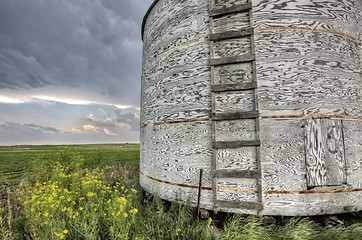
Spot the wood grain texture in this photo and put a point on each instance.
(219, 4)
(231, 34)
(233, 73)
(352, 132)
(235, 173)
(308, 73)
(299, 72)
(177, 194)
(232, 60)
(242, 101)
(233, 87)
(172, 23)
(233, 115)
(325, 162)
(235, 130)
(282, 152)
(240, 204)
(231, 47)
(232, 22)
(310, 204)
(341, 16)
(173, 91)
(249, 186)
(237, 158)
(230, 10)
(235, 144)
(177, 152)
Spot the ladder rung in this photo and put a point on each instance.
(242, 205)
(224, 173)
(233, 87)
(230, 10)
(234, 115)
(230, 60)
(235, 144)
(231, 34)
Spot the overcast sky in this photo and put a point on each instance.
(70, 71)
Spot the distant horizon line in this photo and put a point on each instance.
(65, 144)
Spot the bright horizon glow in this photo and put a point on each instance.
(78, 101)
(16, 100)
(4, 99)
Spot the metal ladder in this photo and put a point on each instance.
(224, 55)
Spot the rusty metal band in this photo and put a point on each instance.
(236, 190)
(311, 29)
(314, 191)
(262, 117)
(313, 116)
(255, 191)
(175, 184)
(181, 121)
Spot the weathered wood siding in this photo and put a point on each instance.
(297, 71)
(324, 145)
(308, 66)
(175, 95)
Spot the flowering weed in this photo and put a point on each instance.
(76, 203)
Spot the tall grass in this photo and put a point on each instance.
(64, 199)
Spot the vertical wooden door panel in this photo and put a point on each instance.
(325, 160)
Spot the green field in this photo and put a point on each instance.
(16, 161)
(91, 192)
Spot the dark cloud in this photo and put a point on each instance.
(91, 45)
(41, 129)
(13, 132)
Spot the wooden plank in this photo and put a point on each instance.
(233, 87)
(243, 158)
(235, 115)
(235, 101)
(237, 189)
(230, 10)
(231, 34)
(325, 161)
(226, 173)
(235, 144)
(233, 73)
(231, 47)
(231, 60)
(236, 130)
(236, 204)
(217, 4)
(233, 22)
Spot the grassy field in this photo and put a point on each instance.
(92, 192)
(16, 161)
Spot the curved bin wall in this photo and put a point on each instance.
(176, 99)
(307, 67)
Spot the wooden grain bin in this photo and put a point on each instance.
(264, 96)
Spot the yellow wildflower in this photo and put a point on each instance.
(90, 194)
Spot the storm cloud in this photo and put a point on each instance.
(70, 71)
(92, 45)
